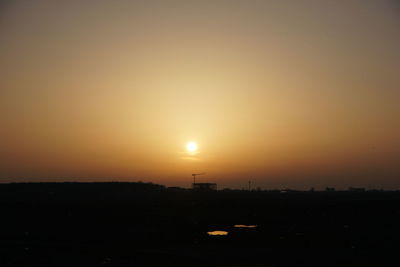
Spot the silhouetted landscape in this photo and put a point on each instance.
(263, 133)
(144, 224)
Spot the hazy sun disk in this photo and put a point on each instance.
(191, 147)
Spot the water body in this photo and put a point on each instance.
(245, 226)
(239, 226)
(217, 233)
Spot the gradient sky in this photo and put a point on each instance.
(292, 94)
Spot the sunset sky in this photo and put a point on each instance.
(294, 94)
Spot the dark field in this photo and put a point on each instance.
(135, 224)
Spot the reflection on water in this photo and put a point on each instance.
(245, 226)
(217, 233)
(238, 226)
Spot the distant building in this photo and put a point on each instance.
(204, 186)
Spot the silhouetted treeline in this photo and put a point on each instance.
(79, 190)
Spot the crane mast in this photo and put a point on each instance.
(194, 177)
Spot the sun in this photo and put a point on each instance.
(191, 147)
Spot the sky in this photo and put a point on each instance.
(294, 94)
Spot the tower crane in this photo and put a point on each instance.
(194, 176)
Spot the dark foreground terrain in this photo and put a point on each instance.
(137, 224)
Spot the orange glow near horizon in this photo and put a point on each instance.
(285, 95)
